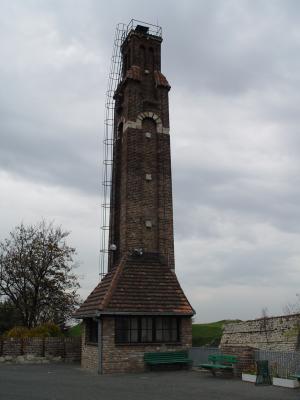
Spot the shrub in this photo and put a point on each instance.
(19, 332)
(48, 329)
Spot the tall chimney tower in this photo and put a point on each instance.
(139, 305)
(141, 197)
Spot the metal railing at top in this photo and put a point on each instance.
(154, 30)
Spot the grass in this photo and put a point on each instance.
(76, 330)
(208, 334)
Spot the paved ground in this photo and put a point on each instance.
(69, 382)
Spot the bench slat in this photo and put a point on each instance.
(216, 366)
(168, 362)
(219, 361)
(222, 358)
(170, 357)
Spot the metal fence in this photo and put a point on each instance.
(199, 355)
(281, 363)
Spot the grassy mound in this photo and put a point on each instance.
(75, 331)
(209, 334)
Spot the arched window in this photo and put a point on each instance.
(151, 59)
(120, 131)
(128, 59)
(124, 66)
(142, 57)
(149, 125)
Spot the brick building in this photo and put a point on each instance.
(139, 305)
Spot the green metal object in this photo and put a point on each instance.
(220, 362)
(169, 357)
(263, 376)
(222, 359)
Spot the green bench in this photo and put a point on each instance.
(296, 375)
(168, 357)
(219, 362)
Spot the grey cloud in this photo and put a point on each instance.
(218, 190)
(239, 264)
(47, 154)
(233, 48)
(233, 67)
(51, 114)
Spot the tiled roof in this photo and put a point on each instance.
(95, 300)
(161, 80)
(134, 73)
(149, 288)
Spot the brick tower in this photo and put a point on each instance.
(142, 213)
(139, 305)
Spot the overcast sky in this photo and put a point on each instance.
(235, 136)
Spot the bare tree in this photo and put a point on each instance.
(264, 323)
(292, 308)
(36, 274)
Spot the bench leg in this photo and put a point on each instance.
(228, 373)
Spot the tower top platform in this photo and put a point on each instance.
(144, 28)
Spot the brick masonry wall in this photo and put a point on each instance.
(136, 199)
(35, 346)
(89, 352)
(275, 333)
(72, 349)
(245, 357)
(67, 348)
(129, 358)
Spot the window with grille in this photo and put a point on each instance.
(147, 329)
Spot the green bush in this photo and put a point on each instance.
(46, 330)
(18, 332)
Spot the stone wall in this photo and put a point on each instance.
(68, 349)
(118, 358)
(274, 333)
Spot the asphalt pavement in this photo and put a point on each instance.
(70, 382)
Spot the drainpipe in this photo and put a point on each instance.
(99, 346)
